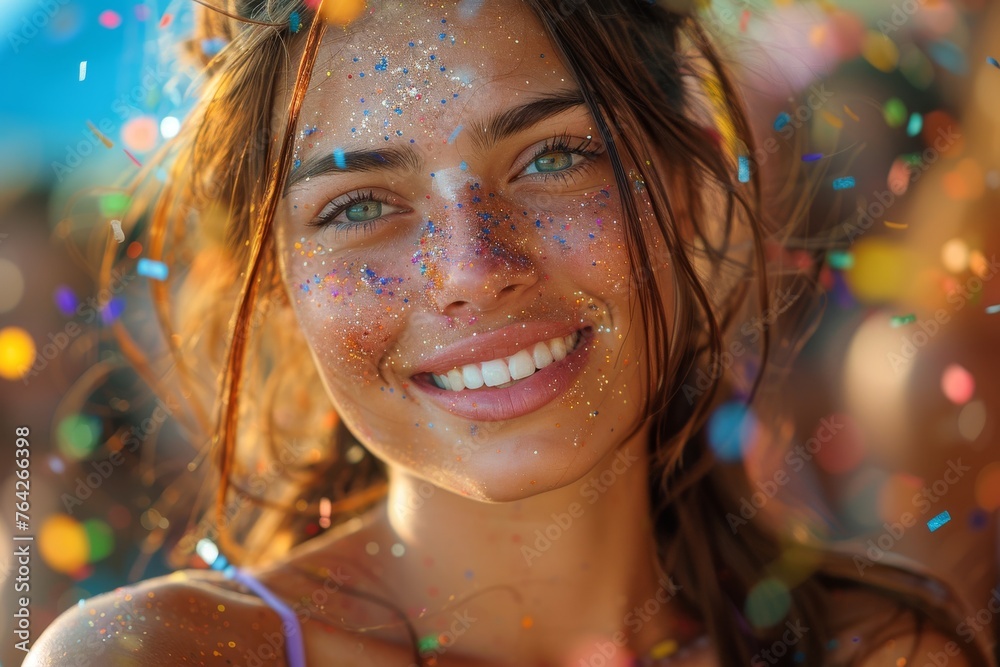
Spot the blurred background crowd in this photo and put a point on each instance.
(895, 397)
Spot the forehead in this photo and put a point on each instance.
(412, 72)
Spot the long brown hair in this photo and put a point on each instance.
(674, 125)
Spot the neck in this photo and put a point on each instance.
(561, 573)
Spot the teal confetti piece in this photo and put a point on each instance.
(782, 121)
(339, 159)
(152, 269)
(916, 124)
(744, 169)
(949, 56)
(841, 260)
(938, 521)
(903, 320)
(993, 310)
(845, 183)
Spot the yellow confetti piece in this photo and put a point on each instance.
(664, 649)
(63, 543)
(97, 133)
(881, 52)
(896, 225)
(342, 12)
(850, 113)
(832, 120)
(17, 353)
(723, 123)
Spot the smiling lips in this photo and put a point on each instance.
(525, 374)
(506, 371)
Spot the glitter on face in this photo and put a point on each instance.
(466, 240)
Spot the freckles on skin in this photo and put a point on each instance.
(414, 88)
(373, 300)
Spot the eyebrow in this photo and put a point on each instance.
(509, 122)
(496, 128)
(387, 159)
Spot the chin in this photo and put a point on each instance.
(516, 468)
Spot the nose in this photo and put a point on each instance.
(478, 271)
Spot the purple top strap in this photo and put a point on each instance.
(294, 648)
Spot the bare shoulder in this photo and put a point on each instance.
(919, 648)
(872, 630)
(203, 618)
(187, 618)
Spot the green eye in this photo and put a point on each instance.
(553, 162)
(364, 211)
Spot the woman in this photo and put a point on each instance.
(511, 235)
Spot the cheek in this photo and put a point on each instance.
(588, 239)
(350, 309)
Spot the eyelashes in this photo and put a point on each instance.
(355, 200)
(562, 145)
(561, 159)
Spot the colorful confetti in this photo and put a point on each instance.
(152, 269)
(812, 157)
(993, 61)
(782, 121)
(132, 157)
(744, 169)
(113, 204)
(832, 120)
(65, 300)
(428, 643)
(894, 112)
(841, 260)
(97, 133)
(903, 320)
(993, 310)
(116, 227)
(338, 158)
(938, 521)
(957, 384)
(83, 70)
(17, 353)
(342, 12)
(109, 19)
(845, 183)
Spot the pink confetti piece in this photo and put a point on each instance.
(132, 157)
(109, 19)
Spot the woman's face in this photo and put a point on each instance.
(452, 241)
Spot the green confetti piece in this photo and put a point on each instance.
(100, 538)
(115, 204)
(840, 259)
(428, 643)
(902, 320)
(894, 112)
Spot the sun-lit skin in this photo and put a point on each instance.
(477, 235)
(473, 238)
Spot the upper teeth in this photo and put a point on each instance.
(518, 366)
